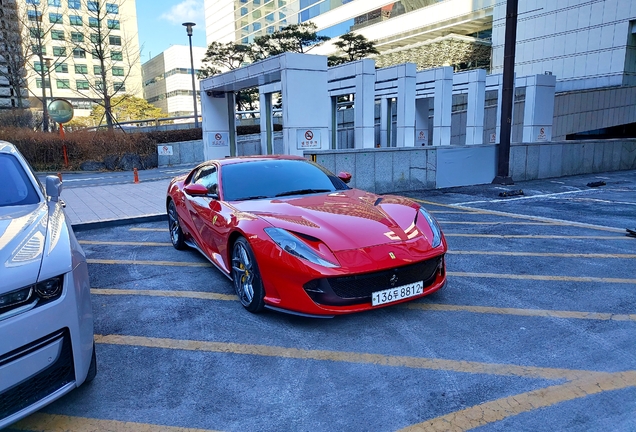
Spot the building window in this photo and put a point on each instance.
(94, 38)
(38, 83)
(81, 69)
(243, 11)
(113, 24)
(77, 37)
(37, 66)
(114, 40)
(75, 20)
(55, 18)
(38, 49)
(36, 32)
(55, 3)
(57, 35)
(256, 26)
(92, 6)
(59, 51)
(82, 85)
(116, 55)
(34, 15)
(112, 8)
(93, 22)
(99, 85)
(33, 2)
(119, 86)
(97, 70)
(74, 4)
(79, 53)
(95, 53)
(61, 68)
(63, 84)
(118, 71)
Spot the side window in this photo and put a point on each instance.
(207, 177)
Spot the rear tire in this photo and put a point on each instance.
(92, 369)
(174, 225)
(246, 277)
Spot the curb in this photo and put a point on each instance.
(86, 226)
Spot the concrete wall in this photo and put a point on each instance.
(406, 169)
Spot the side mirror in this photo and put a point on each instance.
(53, 187)
(344, 176)
(194, 189)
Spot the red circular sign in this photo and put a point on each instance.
(218, 137)
(309, 135)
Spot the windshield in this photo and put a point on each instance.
(15, 186)
(276, 178)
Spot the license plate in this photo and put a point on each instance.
(398, 293)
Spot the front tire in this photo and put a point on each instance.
(174, 225)
(246, 277)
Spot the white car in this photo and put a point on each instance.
(46, 317)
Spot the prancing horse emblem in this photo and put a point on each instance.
(392, 255)
(393, 280)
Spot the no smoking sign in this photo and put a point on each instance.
(308, 139)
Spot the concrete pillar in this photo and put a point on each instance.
(266, 120)
(539, 108)
(406, 105)
(364, 104)
(306, 103)
(385, 122)
(216, 117)
(476, 107)
(421, 122)
(443, 105)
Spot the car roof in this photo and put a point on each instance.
(257, 158)
(7, 147)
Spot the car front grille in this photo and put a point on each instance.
(355, 289)
(45, 382)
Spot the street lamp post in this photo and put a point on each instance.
(188, 26)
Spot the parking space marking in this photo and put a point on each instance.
(542, 313)
(447, 222)
(538, 236)
(149, 229)
(40, 422)
(151, 263)
(544, 254)
(464, 366)
(527, 217)
(529, 197)
(542, 277)
(450, 212)
(161, 293)
(497, 410)
(120, 243)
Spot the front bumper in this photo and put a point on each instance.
(46, 352)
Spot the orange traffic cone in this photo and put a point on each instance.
(135, 175)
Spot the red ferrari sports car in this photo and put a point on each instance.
(294, 237)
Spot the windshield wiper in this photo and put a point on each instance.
(302, 192)
(251, 198)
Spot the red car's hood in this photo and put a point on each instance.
(343, 220)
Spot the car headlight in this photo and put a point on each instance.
(49, 288)
(435, 228)
(296, 247)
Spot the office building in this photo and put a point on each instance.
(10, 97)
(167, 80)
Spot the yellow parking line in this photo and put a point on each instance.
(40, 422)
(542, 277)
(118, 243)
(347, 357)
(151, 263)
(497, 410)
(544, 254)
(545, 313)
(149, 229)
(538, 236)
(520, 216)
(598, 316)
(159, 293)
(445, 222)
(449, 211)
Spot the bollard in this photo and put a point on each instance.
(135, 175)
(59, 175)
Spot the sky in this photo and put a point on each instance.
(159, 24)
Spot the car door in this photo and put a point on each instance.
(204, 211)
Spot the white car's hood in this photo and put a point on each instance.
(23, 232)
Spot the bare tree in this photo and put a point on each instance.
(115, 52)
(12, 58)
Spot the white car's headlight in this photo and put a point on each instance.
(435, 228)
(296, 247)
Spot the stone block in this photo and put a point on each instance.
(556, 160)
(365, 173)
(384, 171)
(597, 165)
(401, 171)
(568, 159)
(606, 164)
(628, 155)
(532, 162)
(418, 169)
(578, 154)
(617, 148)
(588, 157)
(431, 169)
(186, 152)
(544, 161)
(518, 162)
